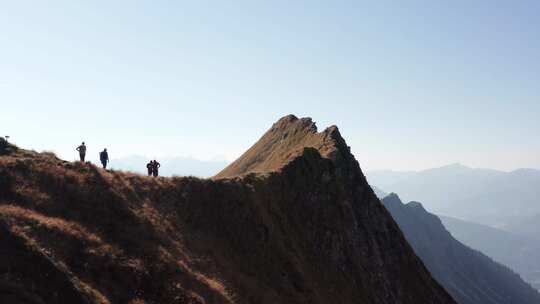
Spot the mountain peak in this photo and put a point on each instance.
(292, 119)
(285, 141)
(454, 166)
(393, 198)
(416, 205)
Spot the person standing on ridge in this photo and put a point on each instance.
(150, 167)
(104, 157)
(155, 168)
(82, 151)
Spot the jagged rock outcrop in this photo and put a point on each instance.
(292, 221)
(469, 276)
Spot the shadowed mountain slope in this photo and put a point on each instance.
(293, 222)
(468, 275)
(520, 253)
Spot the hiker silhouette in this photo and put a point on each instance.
(155, 168)
(104, 157)
(82, 151)
(150, 167)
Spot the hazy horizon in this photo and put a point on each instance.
(450, 165)
(411, 86)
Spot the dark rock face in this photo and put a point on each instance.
(3, 144)
(5, 147)
(468, 275)
(294, 221)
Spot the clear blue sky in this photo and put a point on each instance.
(411, 85)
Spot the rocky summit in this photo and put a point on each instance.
(293, 220)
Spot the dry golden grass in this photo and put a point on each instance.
(9, 213)
(92, 293)
(285, 141)
(20, 219)
(24, 233)
(217, 286)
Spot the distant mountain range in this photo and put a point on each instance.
(179, 166)
(520, 253)
(529, 226)
(378, 192)
(508, 200)
(468, 275)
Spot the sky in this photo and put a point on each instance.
(410, 84)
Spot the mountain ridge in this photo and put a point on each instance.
(477, 195)
(468, 275)
(519, 252)
(295, 224)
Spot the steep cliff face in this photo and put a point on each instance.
(292, 221)
(469, 276)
